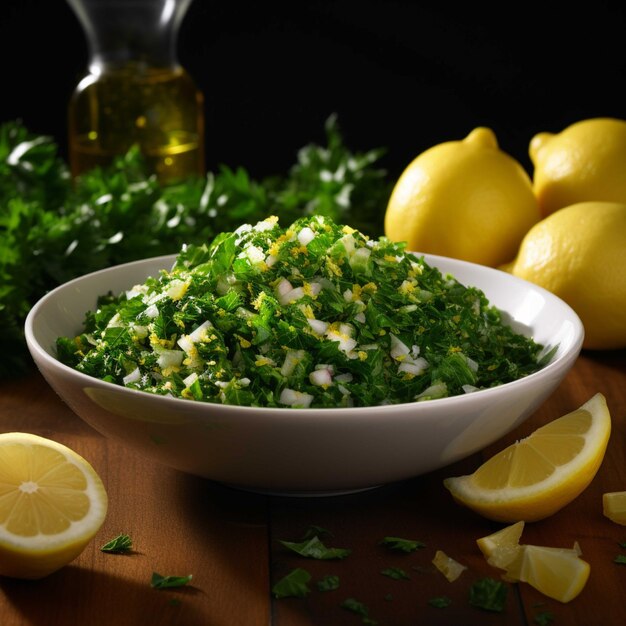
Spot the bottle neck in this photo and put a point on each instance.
(139, 32)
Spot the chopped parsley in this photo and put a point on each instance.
(330, 582)
(293, 585)
(402, 545)
(164, 582)
(312, 315)
(397, 573)
(440, 602)
(544, 618)
(121, 544)
(354, 606)
(314, 548)
(489, 594)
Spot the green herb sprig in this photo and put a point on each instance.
(122, 544)
(52, 228)
(167, 582)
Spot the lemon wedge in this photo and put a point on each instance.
(558, 573)
(535, 477)
(52, 503)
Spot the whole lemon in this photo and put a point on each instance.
(579, 254)
(464, 199)
(586, 161)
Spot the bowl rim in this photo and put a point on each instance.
(562, 361)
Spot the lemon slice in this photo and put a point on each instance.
(614, 506)
(558, 573)
(535, 477)
(52, 503)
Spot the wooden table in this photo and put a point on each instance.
(229, 539)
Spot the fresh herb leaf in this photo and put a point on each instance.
(293, 585)
(402, 545)
(622, 544)
(330, 582)
(396, 573)
(165, 582)
(489, 594)
(315, 531)
(544, 618)
(314, 548)
(118, 545)
(620, 558)
(354, 606)
(440, 602)
(53, 229)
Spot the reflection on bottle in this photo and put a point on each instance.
(136, 93)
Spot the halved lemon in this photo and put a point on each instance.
(535, 477)
(52, 503)
(558, 573)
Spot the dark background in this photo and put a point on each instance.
(400, 75)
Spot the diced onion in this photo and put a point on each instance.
(133, 377)
(319, 327)
(321, 377)
(305, 236)
(291, 397)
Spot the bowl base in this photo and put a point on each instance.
(302, 494)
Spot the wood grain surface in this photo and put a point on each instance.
(230, 540)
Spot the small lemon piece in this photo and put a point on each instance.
(558, 573)
(614, 506)
(585, 161)
(52, 503)
(463, 199)
(536, 476)
(579, 254)
(501, 547)
(448, 566)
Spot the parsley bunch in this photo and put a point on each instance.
(53, 229)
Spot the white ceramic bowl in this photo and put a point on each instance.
(304, 451)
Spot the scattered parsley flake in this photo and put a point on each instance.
(165, 582)
(293, 585)
(315, 531)
(122, 544)
(396, 573)
(402, 545)
(489, 594)
(314, 548)
(620, 559)
(544, 618)
(353, 605)
(330, 582)
(440, 602)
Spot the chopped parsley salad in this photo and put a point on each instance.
(312, 315)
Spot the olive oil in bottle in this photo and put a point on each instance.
(135, 93)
